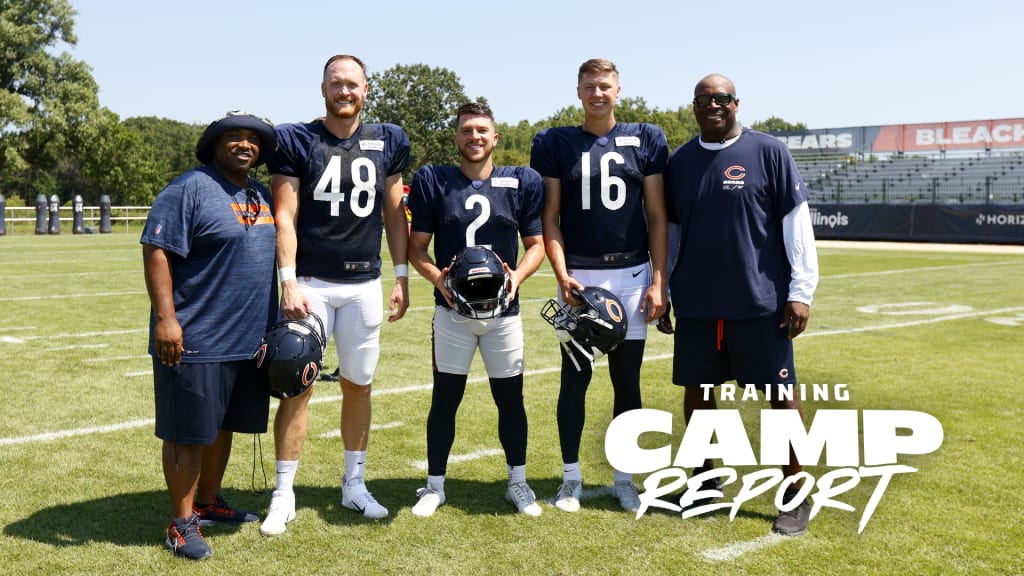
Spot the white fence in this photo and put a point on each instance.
(22, 219)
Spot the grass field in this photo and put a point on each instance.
(82, 490)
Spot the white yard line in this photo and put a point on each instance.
(737, 549)
(456, 458)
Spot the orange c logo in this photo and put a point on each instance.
(614, 310)
(735, 172)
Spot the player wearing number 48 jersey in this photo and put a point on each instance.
(604, 225)
(476, 204)
(337, 182)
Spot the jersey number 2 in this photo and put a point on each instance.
(481, 219)
(361, 201)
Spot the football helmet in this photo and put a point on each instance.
(478, 283)
(291, 355)
(595, 327)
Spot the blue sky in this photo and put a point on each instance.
(826, 64)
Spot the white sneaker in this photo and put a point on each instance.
(568, 499)
(429, 500)
(627, 494)
(523, 498)
(279, 514)
(358, 498)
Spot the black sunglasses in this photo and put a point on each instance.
(722, 99)
(251, 213)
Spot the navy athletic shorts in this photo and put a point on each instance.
(194, 402)
(749, 351)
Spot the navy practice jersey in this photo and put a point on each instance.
(460, 212)
(339, 225)
(602, 214)
(729, 205)
(220, 241)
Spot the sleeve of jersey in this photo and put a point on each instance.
(420, 205)
(541, 156)
(789, 184)
(532, 186)
(169, 224)
(670, 203)
(657, 150)
(400, 143)
(281, 161)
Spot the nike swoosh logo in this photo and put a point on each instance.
(637, 273)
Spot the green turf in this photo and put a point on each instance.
(73, 313)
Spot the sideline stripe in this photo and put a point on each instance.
(737, 549)
(422, 464)
(922, 269)
(336, 433)
(66, 296)
(424, 387)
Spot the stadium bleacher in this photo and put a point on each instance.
(980, 178)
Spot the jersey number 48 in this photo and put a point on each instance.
(364, 182)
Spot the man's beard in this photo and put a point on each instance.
(346, 112)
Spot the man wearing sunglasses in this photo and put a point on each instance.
(208, 255)
(747, 268)
(604, 225)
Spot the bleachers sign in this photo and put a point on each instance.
(935, 137)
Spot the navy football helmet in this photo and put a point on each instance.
(291, 355)
(595, 327)
(478, 283)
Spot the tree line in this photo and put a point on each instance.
(55, 138)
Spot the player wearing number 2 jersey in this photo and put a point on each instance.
(476, 204)
(604, 225)
(333, 179)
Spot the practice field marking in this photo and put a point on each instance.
(75, 347)
(69, 296)
(921, 269)
(336, 433)
(424, 387)
(737, 549)
(116, 358)
(455, 459)
(1017, 320)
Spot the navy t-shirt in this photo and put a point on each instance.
(729, 205)
(602, 194)
(460, 212)
(222, 263)
(340, 224)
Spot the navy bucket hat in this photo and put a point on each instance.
(237, 120)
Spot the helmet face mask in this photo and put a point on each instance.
(478, 283)
(291, 356)
(597, 325)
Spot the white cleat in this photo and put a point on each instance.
(568, 499)
(279, 514)
(358, 498)
(627, 494)
(523, 498)
(429, 501)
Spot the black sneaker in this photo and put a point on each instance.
(220, 513)
(713, 484)
(793, 522)
(185, 539)
(332, 376)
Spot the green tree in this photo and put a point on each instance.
(775, 124)
(45, 99)
(423, 101)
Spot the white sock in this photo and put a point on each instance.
(355, 461)
(571, 472)
(623, 477)
(516, 474)
(286, 470)
(435, 483)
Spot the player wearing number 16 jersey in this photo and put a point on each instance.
(337, 186)
(604, 225)
(476, 204)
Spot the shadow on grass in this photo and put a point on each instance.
(141, 518)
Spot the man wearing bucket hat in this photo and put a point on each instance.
(209, 240)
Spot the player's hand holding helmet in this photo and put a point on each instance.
(594, 327)
(291, 355)
(478, 283)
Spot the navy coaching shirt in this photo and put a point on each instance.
(339, 225)
(602, 213)
(729, 204)
(460, 212)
